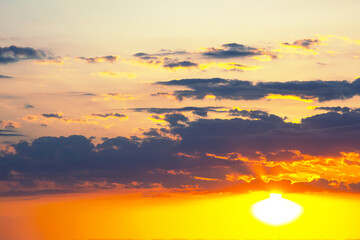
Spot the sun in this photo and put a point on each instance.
(276, 210)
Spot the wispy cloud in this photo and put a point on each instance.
(109, 59)
(4, 76)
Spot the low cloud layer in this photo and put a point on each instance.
(254, 149)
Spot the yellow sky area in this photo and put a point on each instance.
(345, 39)
(326, 215)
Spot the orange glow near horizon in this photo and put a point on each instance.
(214, 216)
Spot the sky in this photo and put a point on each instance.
(163, 119)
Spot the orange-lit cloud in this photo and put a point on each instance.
(6, 149)
(7, 124)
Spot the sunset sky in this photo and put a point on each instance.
(161, 119)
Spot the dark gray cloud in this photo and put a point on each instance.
(176, 119)
(153, 132)
(109, 59)
(200, 111)
(247, 90)
(324, 134)
(305, 43)
(170, 59)
(185, 64)
(9, 133)
(14, 54)
(161, 53)
(81, 94)
(52, 115)
(71, 161)
(253, 114)
(4, 76)
(338, 109)
(106, 115)
(166, 58)
(235, 50)
(28, 106)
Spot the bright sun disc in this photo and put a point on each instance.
(276, 210)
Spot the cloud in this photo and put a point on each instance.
(176, 119)
(109, 59)
(161, 53)
(308, 43)
(215, 155)
(200, 111)
(253, 114)
(153, 132)
(165, 60)
(27, 106)
(14, 54)
(180, 64)
(5, 124)
(4, 76)
(53, 115)
(81, 94)
(325, 134)
(234, 50)
(53, 61)
(247, 90)
(9, 133)
(107, 115)
(255, 150)
(337, 109)
(299, 47)
(171, 60)
(93, 118)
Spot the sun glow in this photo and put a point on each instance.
(276, 210)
